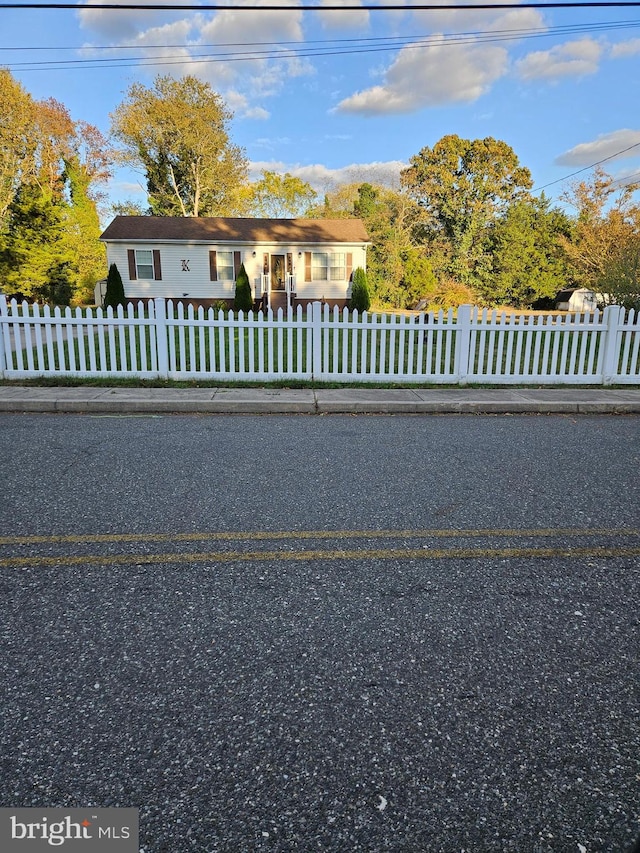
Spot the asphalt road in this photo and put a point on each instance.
(413, 634)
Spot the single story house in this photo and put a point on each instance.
(196, 259)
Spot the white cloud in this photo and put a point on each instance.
(627, 177)
(254, 35)
(197, 45)
(268, 77)
(428, 76)
(257, 113)
(165, 34)
(229, 27)
(625, 48)
(572, 59)
(126, 188)
(470, 19)
(323, 178)
(270, 143)
(122, 26)
(239, 105)
(605, 146)
(351, 19)
(516, 20)
(176, 32)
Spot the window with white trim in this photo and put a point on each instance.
(319, 266)
(144, 264)
(328, 266)
(225, 266)
(338, 268)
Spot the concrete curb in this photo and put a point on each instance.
(91, 400)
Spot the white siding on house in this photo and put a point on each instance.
(194, 283)
(176, 282)
(313, 291)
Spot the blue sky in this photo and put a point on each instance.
(336, 96)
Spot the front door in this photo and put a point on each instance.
(277, 272)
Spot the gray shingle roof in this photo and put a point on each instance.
(229, 230)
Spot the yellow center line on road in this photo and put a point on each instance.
(234, 536)
(315, 555)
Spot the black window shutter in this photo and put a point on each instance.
(131, 256)
(157, 270)
(213, 266)
(236, 264)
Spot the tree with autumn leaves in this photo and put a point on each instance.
(462, 187)
(604, 246)
(176, 132)
(51, 171)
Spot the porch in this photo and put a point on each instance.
(275, 291)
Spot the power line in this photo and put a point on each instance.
(559, 29)
(586, 168)
(275, 7)
(630, 179)
(374, 41)
(314, 48)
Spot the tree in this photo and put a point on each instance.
(279, 196)
(463, 186)
(243, 300)
(52, 230)
(619, 281)
(338, 203)
(418, 280)
(59, 285)
(527, 260)
(114, 294)
(34, 246)
(83, 229)
(177, 132)
(360, 300)
(608, 220)
(17, 145)
(129, 207)
(398, 269)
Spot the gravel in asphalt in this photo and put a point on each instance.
(173, 638)
(405, 705)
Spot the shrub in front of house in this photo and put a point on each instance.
(218, 306)
(114, 294)
(59, 286)
(243, 300)
(360, 300)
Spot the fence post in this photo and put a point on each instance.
(3, 313)
(160, 312)
(463, 338)
(316, 340)
(612, 317)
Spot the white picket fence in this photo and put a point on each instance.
(158, 339)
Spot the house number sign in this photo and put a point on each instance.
(185, 265)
